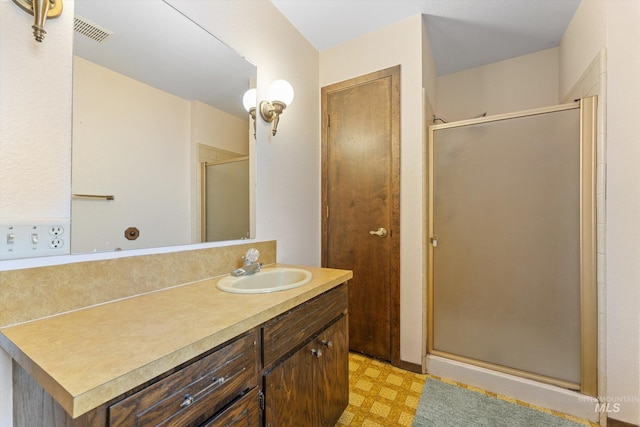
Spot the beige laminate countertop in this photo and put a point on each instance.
(87, 357)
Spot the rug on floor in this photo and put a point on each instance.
(447, 405)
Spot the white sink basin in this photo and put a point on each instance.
(267, 280)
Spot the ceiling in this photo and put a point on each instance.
(463, 33)
(155, 43)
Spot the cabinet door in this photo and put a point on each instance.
(310, 388)
(332, 376)
(289, 391)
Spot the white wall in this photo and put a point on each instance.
(399, 43)
(130, 140)
(288, 171)
(581, 42)
(522, 83)
(429, 73)
(35, 116)
(288, 164)
(613, 25)
(139, 144)
(217, 128)
(35, 125)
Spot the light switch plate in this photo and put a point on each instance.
(34, 237)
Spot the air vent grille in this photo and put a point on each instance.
(91, 30)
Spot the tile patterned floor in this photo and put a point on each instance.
(381, 395)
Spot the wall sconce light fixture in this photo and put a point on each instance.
(280, 96)
(41, 10)
(249, 102)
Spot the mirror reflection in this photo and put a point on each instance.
(157, 120)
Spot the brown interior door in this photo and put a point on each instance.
(361, 204)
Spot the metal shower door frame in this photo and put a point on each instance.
(587, 242)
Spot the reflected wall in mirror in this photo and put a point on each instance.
(154, 96)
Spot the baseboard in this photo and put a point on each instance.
(535, 393)
(617, 423)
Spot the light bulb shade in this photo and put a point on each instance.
(282, 91)
(249, 99)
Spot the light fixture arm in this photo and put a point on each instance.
(41, 10)
(252, 114)
(270, 112)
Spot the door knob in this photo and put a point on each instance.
(380, 232)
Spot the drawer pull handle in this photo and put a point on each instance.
(217, 380)
(316, 353)
(188, 400)
(328, 344)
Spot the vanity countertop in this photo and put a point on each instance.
(87, 357)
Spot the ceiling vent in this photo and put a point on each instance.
(91, 30)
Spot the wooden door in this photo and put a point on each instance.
(361, 196)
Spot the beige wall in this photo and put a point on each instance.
(35, 117)
(288, 170)
(143, 160)
(612, 26)
(289, 163)
(623, 206)
(149, 158)
(581, 42)
(522, 83)
(399, 43)
(217, 128)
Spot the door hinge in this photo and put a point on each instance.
(327, 211)
(328, 120)
(261, 400)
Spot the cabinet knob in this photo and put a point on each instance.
(216, 380)
(188, 400)
(316, 353)
(328, 344)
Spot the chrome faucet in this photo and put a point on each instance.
(249, 264)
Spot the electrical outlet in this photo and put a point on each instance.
(56, 243)
(56, 230)
(34, 237)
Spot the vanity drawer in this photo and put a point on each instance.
(244, 412)
(289, 330)
(195, 393)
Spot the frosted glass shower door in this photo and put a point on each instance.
(505, 283)
(226, 200)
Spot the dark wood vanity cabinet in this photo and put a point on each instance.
(289, 371)
(309, 386)
(195, 393)
(218, 388)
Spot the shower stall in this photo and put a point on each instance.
(225, 200)
(511, 226)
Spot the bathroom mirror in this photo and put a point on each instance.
(155, 96)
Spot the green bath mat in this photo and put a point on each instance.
(446, 405)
